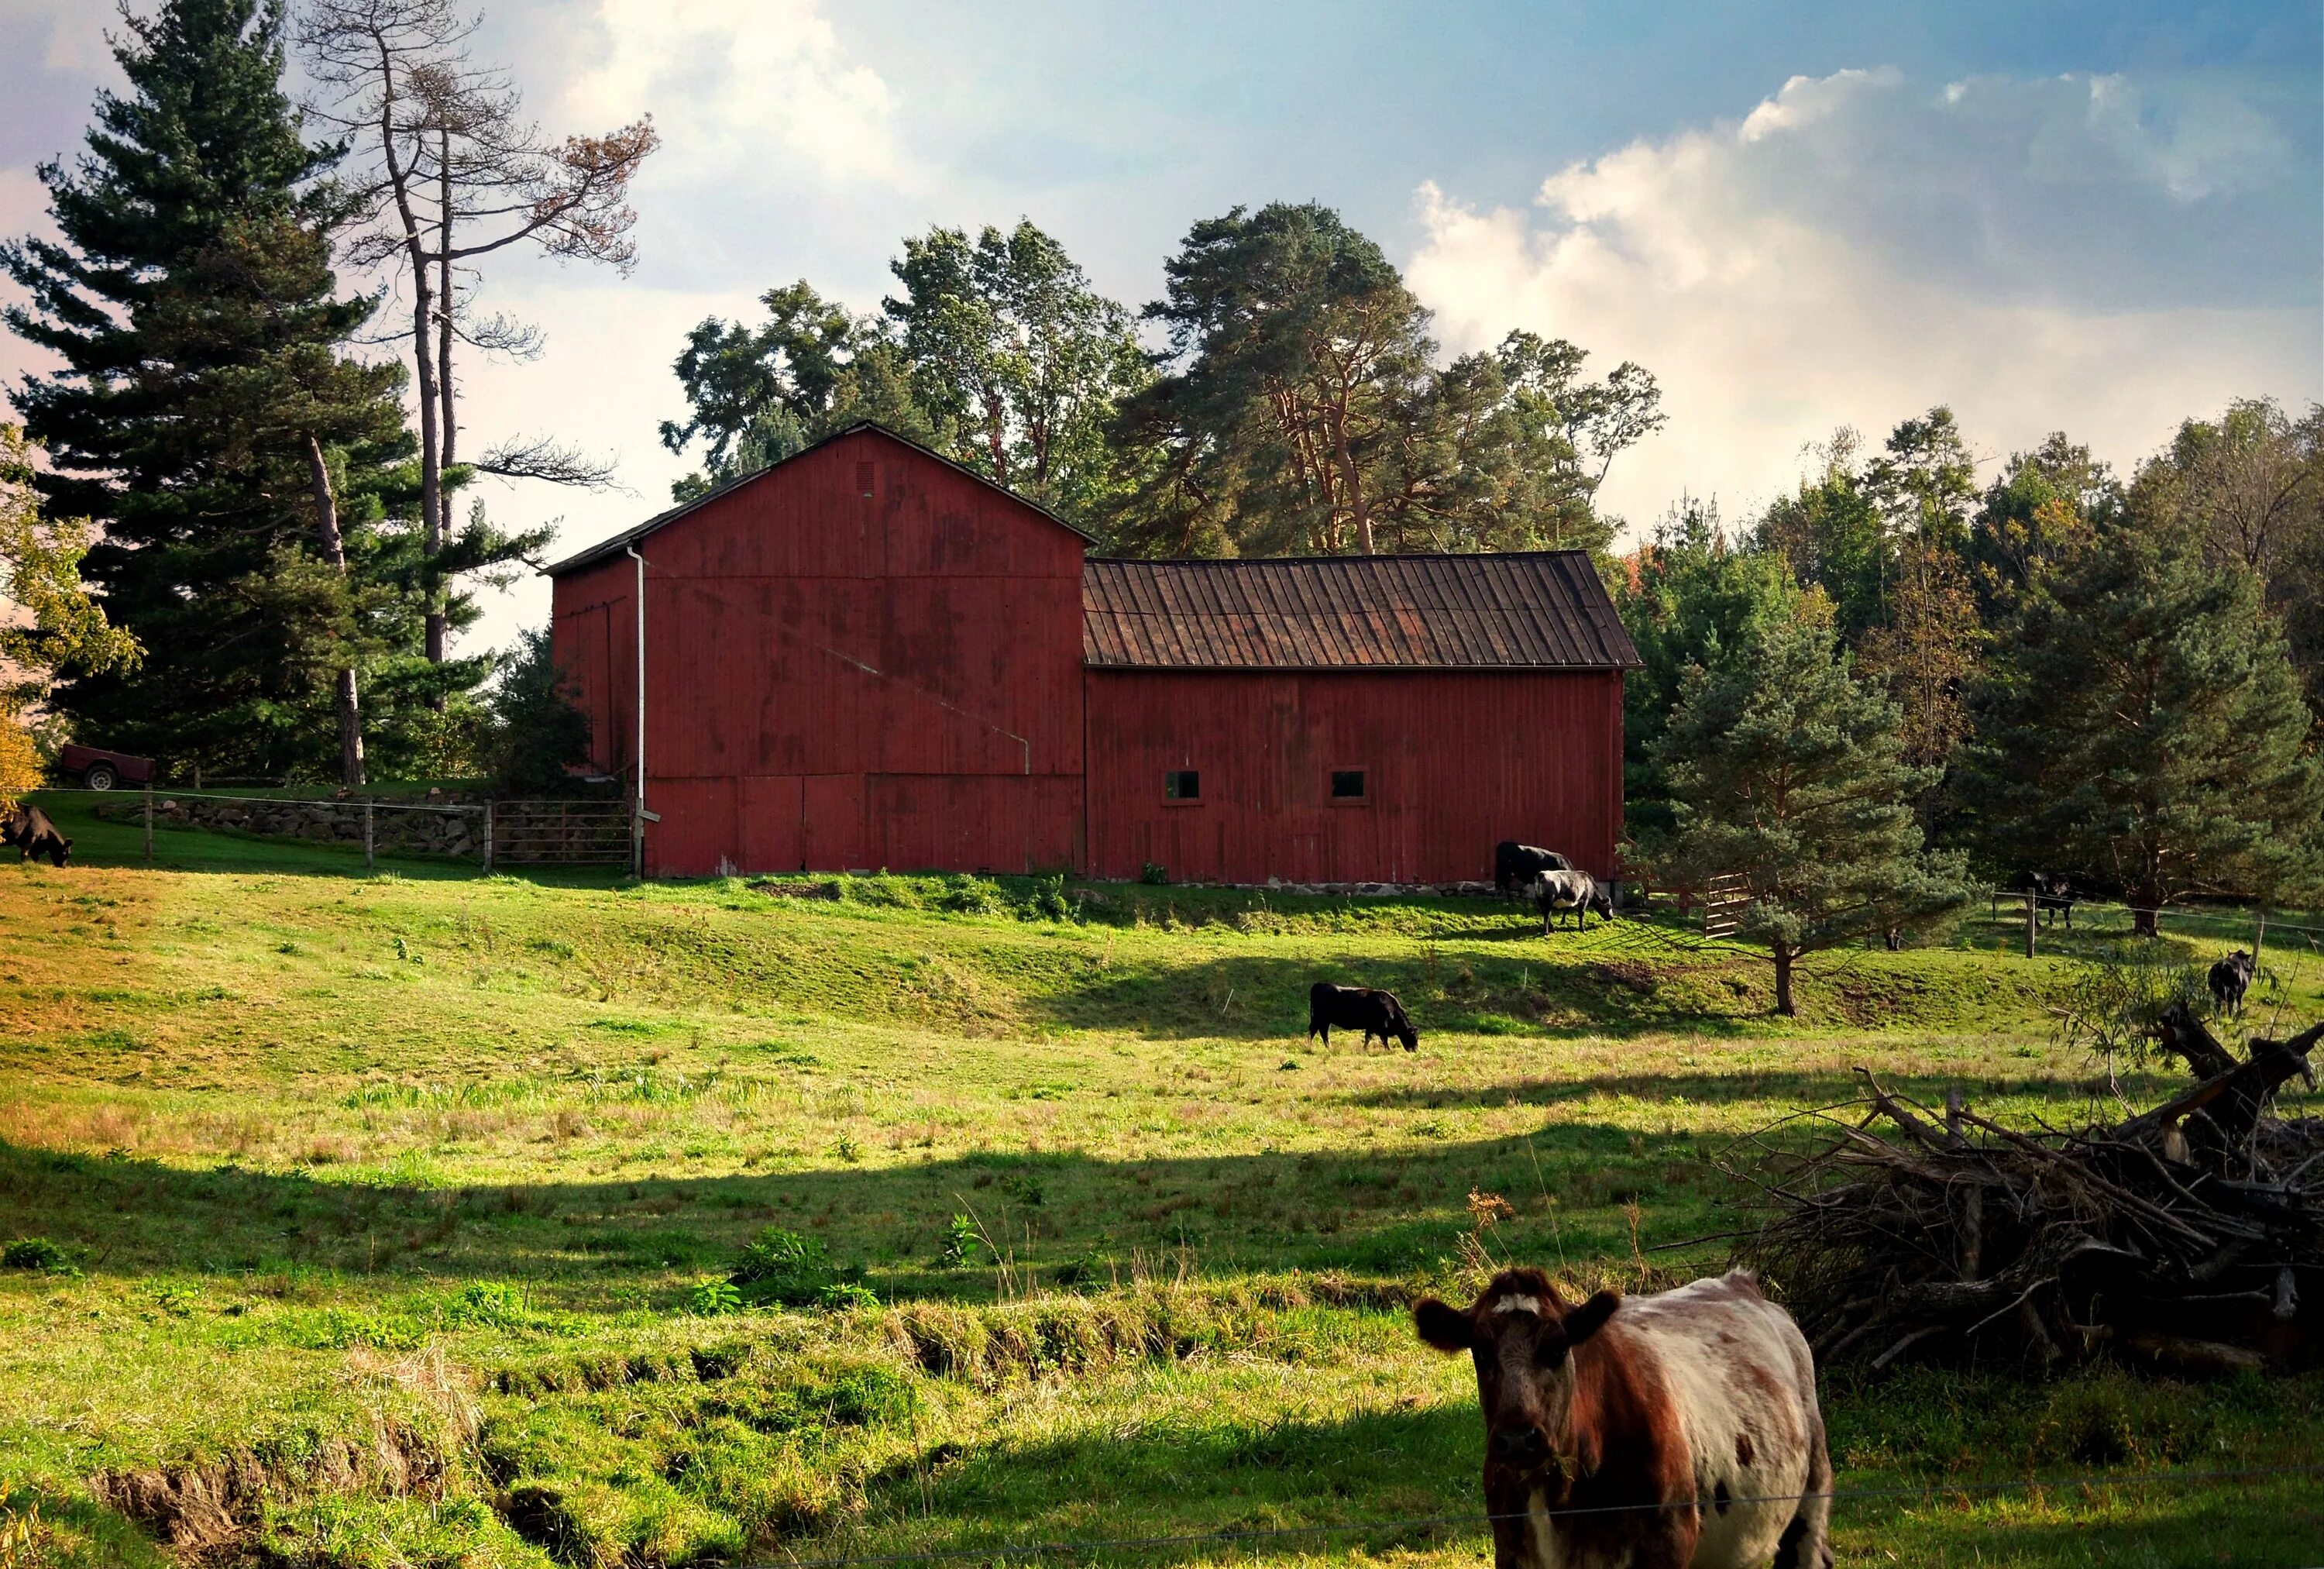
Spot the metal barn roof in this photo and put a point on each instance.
(1539, 610)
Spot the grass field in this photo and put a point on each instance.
(391, 1212)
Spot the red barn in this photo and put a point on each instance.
(868, 656)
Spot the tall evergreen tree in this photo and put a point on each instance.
(1690, 598)
(207, 417)
(2141, 720)
(1791, 774)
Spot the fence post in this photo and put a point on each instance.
(2259, 938)
(370, 863)
(488, 834)
(2032, 900)
(148, 821)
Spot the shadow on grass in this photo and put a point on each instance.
(1788, 1089)
(1058, 1217)
(1261, 1473)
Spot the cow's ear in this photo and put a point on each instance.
(1590, 1318)
(1445, 1327)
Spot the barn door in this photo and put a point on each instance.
(831, 821)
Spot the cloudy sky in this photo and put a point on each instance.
(2097, 217)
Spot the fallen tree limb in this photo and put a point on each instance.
(2180, 1235)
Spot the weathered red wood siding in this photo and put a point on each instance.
(1454, 763)
(862, 658)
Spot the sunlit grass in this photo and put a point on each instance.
(297, 1128)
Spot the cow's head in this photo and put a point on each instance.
(1405, 1033)
(1521, 1334)
(64, 850)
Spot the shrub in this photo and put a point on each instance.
(33, 1253)
(796, 1270)
(969, 896)
(710, 1299)
(1155, 874)
(1048, 901)
(961, 1240)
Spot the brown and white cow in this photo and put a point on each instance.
(1680, 1430)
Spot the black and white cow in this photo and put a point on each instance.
(1575, 891)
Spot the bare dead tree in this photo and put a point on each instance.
(452, 172)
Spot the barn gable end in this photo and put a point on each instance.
(861, 657)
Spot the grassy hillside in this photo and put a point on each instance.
(390, 1209)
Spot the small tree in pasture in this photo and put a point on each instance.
(1789, 773)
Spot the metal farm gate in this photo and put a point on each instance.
(558, 833)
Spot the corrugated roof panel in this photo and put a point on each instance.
(1543, 610)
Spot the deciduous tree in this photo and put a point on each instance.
(451, 172)
(55, 619)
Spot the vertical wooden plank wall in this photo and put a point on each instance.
(1453, 762)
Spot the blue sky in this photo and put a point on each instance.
(2101, 219)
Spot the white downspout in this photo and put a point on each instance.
(638, 818)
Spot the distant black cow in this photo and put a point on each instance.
(2053, 892)
(1575, 891)
(1515, 864)
(2231, 977)
(28, 828)
(1358, 1008)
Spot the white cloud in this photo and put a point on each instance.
(2044, 254)
(738, 85)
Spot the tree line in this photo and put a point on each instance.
(1294, 405)
(1892, 677)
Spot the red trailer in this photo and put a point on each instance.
(99, 770)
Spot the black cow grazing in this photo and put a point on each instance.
(2051, 891)
(2230, 978)
(1575, 891)
(1515, 864)
(29, 829)
(1358, 1008)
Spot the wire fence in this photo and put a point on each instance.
(1093, 1546)
(552, 832)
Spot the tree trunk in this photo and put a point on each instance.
(1360, 514)
(446, 394)
(1784, 956)
(335, 551)
(431, 452)
(2146, 910)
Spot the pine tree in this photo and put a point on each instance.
(1691, 597)
(1791, 774)
(2141, 720)
(238, 461)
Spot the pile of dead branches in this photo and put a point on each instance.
(2186, 1235)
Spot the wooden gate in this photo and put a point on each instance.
(1723, 898)
(560, 833)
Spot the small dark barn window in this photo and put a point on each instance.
(1347, 784)
(1182, 784)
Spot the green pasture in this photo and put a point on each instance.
(390, 1212)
